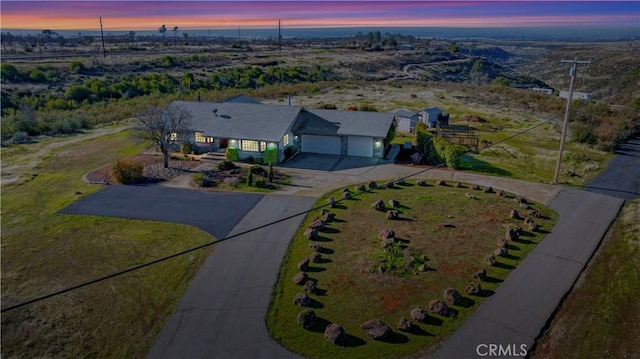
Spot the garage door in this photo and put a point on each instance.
(322, 144)
(360, 146)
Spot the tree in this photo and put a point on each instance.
(175, 35)
(162, 30)
(164, 127)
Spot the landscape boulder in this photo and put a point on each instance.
(501, 252)
(392, 214)
(511, 234)
(315, 257)
(470, 196)
(488, 189)
(459, 185)
(373, 185)
(475, 187)
(387, 234)
(501, 193)
(311, 233)
(438, 307)
(452, 296)
(393, 203)
(306, 319)
(490, 259)
(378, 205)
(303, 265)
(359, 188)
(514, 214)
(535, 213)
(310, 287)
(300, 278)
(328, 217)
(520, 200)
(421, 183)
(502, 243)
(473, 289)
(301, 300)
(418, 314)
(376, 329)
(331, 201)
(316, 246)
(405, 325)
(346, 194)
(388, 184)
(400, 181)
(480, 275)
(317, 223)
(335, 334)
(441, 183)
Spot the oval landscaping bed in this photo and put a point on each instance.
(399, 267)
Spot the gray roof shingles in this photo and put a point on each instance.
(270, 122)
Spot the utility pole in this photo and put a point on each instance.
(104, 51)
(279, 38)
(565, 124)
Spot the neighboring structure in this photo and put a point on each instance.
(406, 120)
(547, 91)
(433, 116)
(255, 129)
(576, 95)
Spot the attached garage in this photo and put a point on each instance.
(331, 145)
(360, 146)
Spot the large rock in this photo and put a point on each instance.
(300, 278)
(501, 252)
(310, 287)
(376, 329)
(405, 325)
(378, 205)
(335, 334)
(306, 319)
(490, 259)
(475, 187)
(438, 307)
(392, 214)
(303, 265)
(511, 234)
(317, 224)
(393, 203)
(535, 213)
(346, 194)
(502, 243)
(316, 246)
(501, 193)
(421, 183)
(419, 314)
(459, 185)
(315, 257)
(514, 214)
(311, 233)
(480, 275)
(441, 183)
(328, 217)
(452, 296)
(488, 189)
(359, 188)
(388, 184)
(387, 234)
(331, 201)
(373, 185)
(473, 288)
(301, 300)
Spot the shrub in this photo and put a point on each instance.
(127, 171)
(226, 165)
(257, 170)
(203, 180)
(261, 182)
(76, 67)
(186, 147)
(250, 159)
(250, 179)
(231, 154)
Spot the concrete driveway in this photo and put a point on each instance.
(214, 212)
(320, 162)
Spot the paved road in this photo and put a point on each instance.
(214, 212)
(622, 177)
(222, 314)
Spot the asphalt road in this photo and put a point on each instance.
(622, 177)
(222, 314)
(214, 212)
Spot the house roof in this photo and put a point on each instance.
(432, 110)
(313, 124)
(358, 123)
(241, 120)
(242, 99)
(403, 112)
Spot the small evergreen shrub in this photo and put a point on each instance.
(127, 171)
(186, 147)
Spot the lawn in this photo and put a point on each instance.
(600, 317)
(43, 251)
(443, 240)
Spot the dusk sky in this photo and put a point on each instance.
(149, 15)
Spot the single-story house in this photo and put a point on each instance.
(406, 120)
(576, 95)
(433, 116)
(255, 129)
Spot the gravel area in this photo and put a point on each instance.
(176, 168)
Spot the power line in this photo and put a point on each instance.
(163, 259)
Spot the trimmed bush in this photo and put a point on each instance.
(231, 154)
(186, 147)
(127, 171)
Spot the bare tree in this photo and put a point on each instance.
(175, 35)
(164, 127)
(162, 30)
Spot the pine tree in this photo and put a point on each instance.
(250, 179)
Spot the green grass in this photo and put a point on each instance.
(43, 251)
(600, 317)
(356, 291)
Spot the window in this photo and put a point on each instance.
(209, 139)
(263, 146)
(248, 145)
(173, 136)
(200, 137)
(285, 139)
